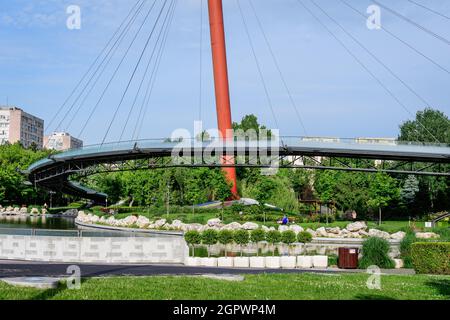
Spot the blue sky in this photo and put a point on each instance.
(41, 61)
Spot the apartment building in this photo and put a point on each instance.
(62, 141)
(18, 126)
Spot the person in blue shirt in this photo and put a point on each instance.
(285, 220)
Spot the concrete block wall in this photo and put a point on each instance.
(164, 249)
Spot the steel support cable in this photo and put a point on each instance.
(277, 65)
(112, 49)
(398, 38)
(429, 9)
(144, 106)
(373, 55)
(91, 66)
(258, 66)
(105, 65)
(117, 69)
(134, 71)
(94, 73)
(160, 33)
(426, 30)
(359, 61)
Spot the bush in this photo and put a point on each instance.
(273, 236)
(225, 237)
(209, 237)
(375, 252)
(405, 248)
(431, 257)
(257, 235)
(241, 237)
(192, 238)
(288, 237)
(304, 237)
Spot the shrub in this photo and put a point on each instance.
(241, 237)
(375, 252)
(431, 257)
(225, 237)
(304, 237)
(405, 248)
(288, 237)
(209, 237)
(273, 237)
(192, 238)
(257, 235)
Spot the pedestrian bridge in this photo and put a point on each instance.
(391, 156)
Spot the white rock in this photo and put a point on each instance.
(398, 235)
(214, 222)
(321, 232)
(356, 226)
(24, 210)
(257, 262)
(398, 263)
(427, 235)
(296, 228)
(250, 226)
(273, 262)
(283, 228)
(160, 223)
(232, 226)
(335, 230)
(241, 262)
(177, 224)
(288, 262)
(129, 221)
(266, 229)
(379, 234)
(34, 211)
(142, 222)
(320, 261)
(304, 262)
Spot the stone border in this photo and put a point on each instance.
(130, 230)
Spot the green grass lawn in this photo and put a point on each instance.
(264, 286)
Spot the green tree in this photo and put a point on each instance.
(429, 126)
(209, 237)
(241, 237)
(193, 238)
(409, 190)
(257, 236)
(273, 237)
(288, 237)
(383, 189)
(225, 237)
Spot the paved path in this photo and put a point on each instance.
(37, 269)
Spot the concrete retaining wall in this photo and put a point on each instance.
(165, 249)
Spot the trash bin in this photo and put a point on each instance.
(348, 258)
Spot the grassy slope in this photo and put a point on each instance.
(274, 287)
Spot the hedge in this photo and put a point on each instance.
(431, 257)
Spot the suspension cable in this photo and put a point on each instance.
(389, 91)
(200, 64)
(144, 106)
(429, 9)
(105, 66)
(372, 55)
(134, 71)
(92, 66)
(116, 70)
(160, 33)
(258, 66)
(277, 65)
(399, 39)
(433, 34)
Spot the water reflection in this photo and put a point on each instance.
(37, 222)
